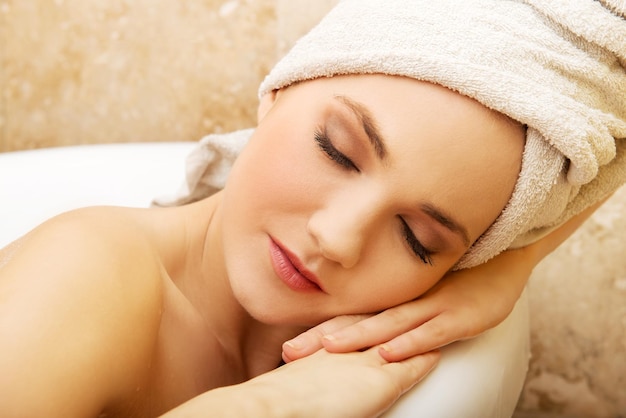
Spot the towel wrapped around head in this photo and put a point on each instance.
(557, 66)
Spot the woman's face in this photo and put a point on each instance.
(357, 193)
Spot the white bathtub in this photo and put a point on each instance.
(35, 185)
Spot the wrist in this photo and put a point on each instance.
(264, 399)
(246, 400)
(530, 256)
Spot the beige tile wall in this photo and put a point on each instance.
(578, 322)
(3, 76)
(98, 71)
(76, 72)
(102, 71)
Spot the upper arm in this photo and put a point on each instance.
(79, 305)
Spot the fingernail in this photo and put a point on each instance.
(386, 348)
(329, 337)
(295, 344)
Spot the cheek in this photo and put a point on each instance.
(391, 275)
(394, 286)
(277, 171)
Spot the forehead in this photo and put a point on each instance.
(441, 146)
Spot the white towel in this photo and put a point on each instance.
(557, 66)
(207, 167)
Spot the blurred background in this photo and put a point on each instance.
(103, 71)
(99, 71)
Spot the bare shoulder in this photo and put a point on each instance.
(78, 241)
(81, 303)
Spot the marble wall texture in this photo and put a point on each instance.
(578, 322)
(81, 72)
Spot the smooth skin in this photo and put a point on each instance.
(138, 312)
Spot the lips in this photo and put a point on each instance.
(291, 270)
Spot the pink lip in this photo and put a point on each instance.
(291, 271)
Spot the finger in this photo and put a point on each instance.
(412, 370)
(435, 333)
(380, 328)
(311, 341)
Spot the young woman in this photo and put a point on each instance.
(355, 193)
(322, 216)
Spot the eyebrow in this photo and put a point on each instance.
(445, 220)
(369, 124)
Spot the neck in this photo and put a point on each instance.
(255, 347)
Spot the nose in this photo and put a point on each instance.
(342, 226)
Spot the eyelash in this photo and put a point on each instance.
(416, 246)
(327, 147)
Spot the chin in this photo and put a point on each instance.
(278, 317)
(280, 312)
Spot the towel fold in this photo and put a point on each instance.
(207, 167)
(557, 66)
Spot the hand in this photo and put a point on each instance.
(461, 305)
(359, 384)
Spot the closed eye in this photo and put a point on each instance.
(323, 141)
(416, 246)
